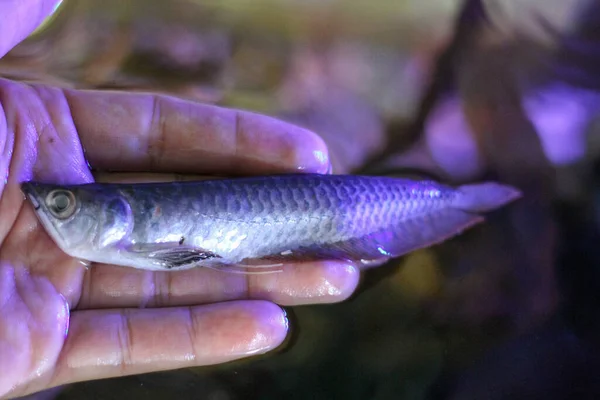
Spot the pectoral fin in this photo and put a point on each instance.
(87, 264)
(245, 269)
(172, 255)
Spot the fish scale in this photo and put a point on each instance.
(332, 215)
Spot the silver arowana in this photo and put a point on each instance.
(258, 221)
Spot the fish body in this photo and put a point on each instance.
(258, 220)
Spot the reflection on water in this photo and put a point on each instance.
(507, 310)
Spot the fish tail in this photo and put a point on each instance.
(483, 197)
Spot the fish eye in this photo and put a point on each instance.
(61, 203)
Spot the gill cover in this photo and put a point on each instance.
(116, 223)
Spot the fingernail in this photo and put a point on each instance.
(271, 328)
(337, 284)
(286, 145)
(312, 154)
(315, 283)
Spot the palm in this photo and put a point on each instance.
(43, 132)
(35, 315)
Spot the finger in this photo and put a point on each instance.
(157, 133)
(140, 177)
(20, 18)
(44, 144)
(112, 343)
(108, 286)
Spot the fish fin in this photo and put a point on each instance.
(255, 266)
(394, 241)
(486, 196)
(87, 264)
(365, 264)
(246, 269)
(427, 230)
(258, 263)
(173, 256)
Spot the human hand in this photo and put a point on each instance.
(63, 323)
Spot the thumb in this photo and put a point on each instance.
(18, 18)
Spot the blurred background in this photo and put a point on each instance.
(455, 90)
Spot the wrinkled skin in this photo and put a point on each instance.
(61, 322)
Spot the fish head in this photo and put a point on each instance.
(80, 218)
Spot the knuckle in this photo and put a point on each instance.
(158, 133)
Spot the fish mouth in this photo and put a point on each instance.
(34, 195)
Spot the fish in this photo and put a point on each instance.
(253, 223)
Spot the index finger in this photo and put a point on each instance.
(20, 18)
(157, 133)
